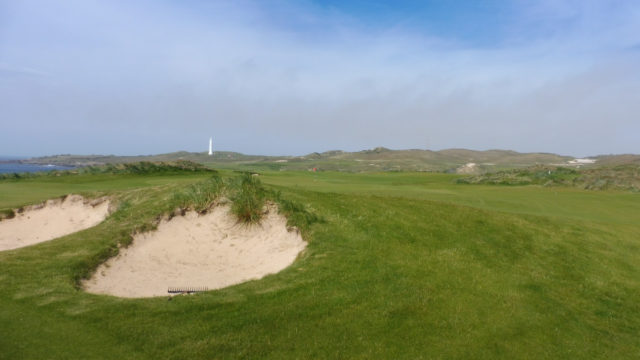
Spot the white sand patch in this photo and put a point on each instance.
(51, 219)
(468, 168)
(210, 250)
(581, 161)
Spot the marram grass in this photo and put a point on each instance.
(248, 198)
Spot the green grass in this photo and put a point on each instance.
(398, 266)
(15, 193)
(611, 207)
(621, 177)
(137, 168)
(248, 198)
(199, 196)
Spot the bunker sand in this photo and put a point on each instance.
(50, 220)
(211, 250)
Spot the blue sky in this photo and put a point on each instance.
(293, 77)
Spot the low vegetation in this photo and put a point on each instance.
(297, 214)
(248, 198)
(136, 168)
(198, 196)
(145, 167)
(622, 177)
(538, 175)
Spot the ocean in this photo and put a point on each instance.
(21, 168)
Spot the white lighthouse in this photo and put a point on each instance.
(210, 146)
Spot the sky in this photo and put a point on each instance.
(293, 77)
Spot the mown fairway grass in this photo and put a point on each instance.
(565, 202)
(14, 193)
(404, 266)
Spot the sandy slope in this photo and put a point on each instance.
(50, 220)
(210, 250)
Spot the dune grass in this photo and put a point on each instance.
(198, 196)
(621, 177)
(137, 168)
(248, 198)
(401, 266)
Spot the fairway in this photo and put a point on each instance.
(615, 207)
(402, 266)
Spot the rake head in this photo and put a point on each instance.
(186, 289)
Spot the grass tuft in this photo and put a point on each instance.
(7, 214)
(297, 214)
(198, 196)
(248, 198)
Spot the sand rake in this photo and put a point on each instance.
(186, 289)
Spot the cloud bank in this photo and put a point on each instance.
(296, 77)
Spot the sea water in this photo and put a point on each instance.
(10, 167)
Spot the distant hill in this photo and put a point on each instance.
(378, 159)
(90, 160)
(613, 160)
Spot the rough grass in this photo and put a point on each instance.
(297, 213)
(404, 266)
(135, 168)
(198, 196)
(622, 177)
(248, 198)
(145, 167)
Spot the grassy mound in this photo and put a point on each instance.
(622, 177)
(146, 167)
(136, 168)
(539, 175)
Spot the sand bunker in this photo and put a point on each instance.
(51, 219)
(210, 250)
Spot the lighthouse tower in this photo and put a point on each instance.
(210, 146)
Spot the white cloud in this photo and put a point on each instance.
(154, 77)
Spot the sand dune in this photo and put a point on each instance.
(210, 250)
(51, 219)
